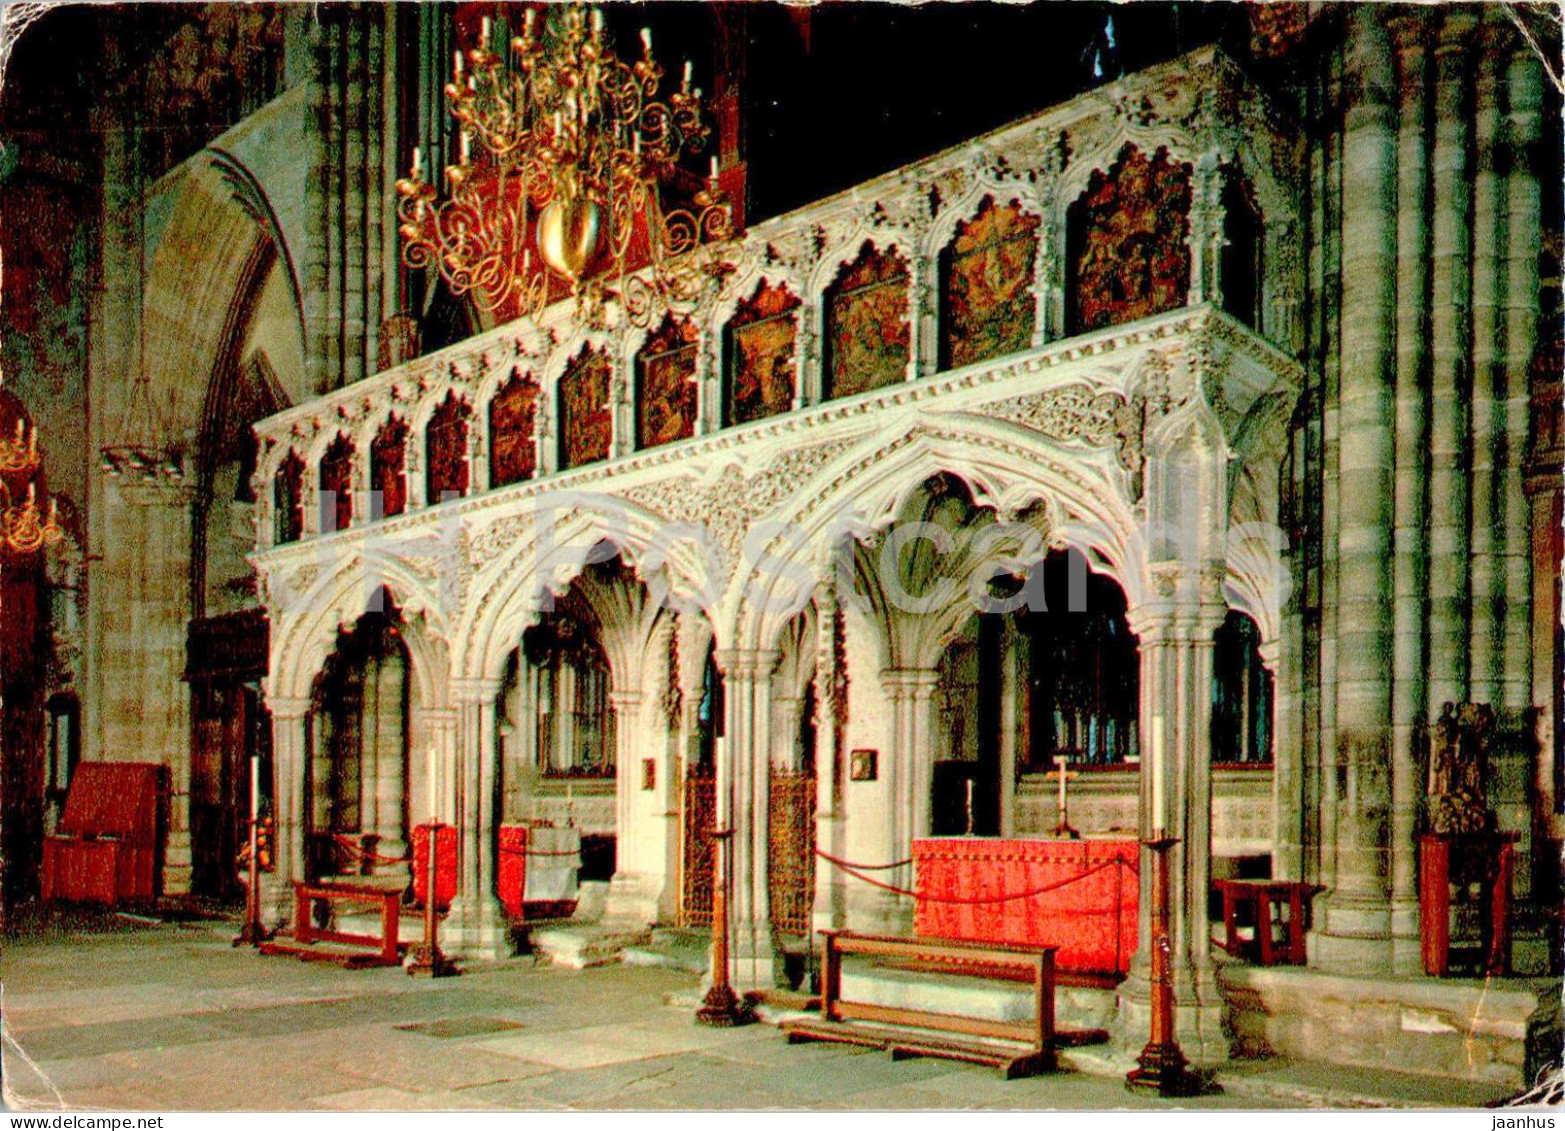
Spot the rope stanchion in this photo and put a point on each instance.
(863, 867)
(971, 900)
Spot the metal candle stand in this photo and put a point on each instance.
(721, 1008)
(428, 959)
(253, 933)
(1162, 1064)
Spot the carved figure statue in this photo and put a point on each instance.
(1458, 757)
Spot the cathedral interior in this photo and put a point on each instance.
(691, 477)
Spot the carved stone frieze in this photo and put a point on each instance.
(1080, 414)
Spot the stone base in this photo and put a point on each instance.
(476, 931)
(1350, 936)
(632, 900)
(1198, 1017)
(1453, 1029)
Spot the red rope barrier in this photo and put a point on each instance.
(365, 854)
(863, 867)
(1055, 886)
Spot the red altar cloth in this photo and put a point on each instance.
(445, 866)
(1091, 919)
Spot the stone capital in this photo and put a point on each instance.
(465, 691)
(288, 707)
(915, 682)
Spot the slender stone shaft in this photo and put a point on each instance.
(1410, 614)
(1356, 929)
(1450, 406)
(1488, 414)
(1524, 126)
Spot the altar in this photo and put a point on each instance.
(1080, 896)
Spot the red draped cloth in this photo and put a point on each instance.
(445, 866)
(1084, 902)
(513, 868)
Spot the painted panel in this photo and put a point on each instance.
(762, 339)
(990, 309)
(337, 485)
(586, 420)
(288, 499)
(1132, 260)
(666, 390)
(513, 425)
(446, 447)
(867, 331)
(388, 457)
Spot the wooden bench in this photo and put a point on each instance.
(345, 948)
(837, 1015)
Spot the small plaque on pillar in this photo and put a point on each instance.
(863, 765)
(649, 773)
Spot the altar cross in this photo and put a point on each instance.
(1063, 772)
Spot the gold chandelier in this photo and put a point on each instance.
(22, 529)
(573, 149)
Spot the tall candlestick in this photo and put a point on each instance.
(1063, 763)
(458, 60)
(483, 32)
(255, 786)
(646, 39)
(1158, 769)
(418, 164)
(714, 168)
(434, 792)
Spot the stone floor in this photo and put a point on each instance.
(124, 1015)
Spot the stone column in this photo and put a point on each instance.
(1352, 926)
(1410, 566)
(637, 882)
(389, 772)
(290, 749)
(909, 766)
(1485, 572)
(829, 708)
(476, 926)
(1449, 432)
(742, 806)
(1523, 128)
(1176, 703)
(924, 316)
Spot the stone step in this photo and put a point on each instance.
(410, 925)
(673, 948)
(580, 945)
(1075, 1007)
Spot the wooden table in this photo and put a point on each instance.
(1263, 897)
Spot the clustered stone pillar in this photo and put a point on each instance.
(1175, 727)
(476, 926)
(1425, 544)
(1353, 921)
(910, 693)
(743, 786)
(290, 748)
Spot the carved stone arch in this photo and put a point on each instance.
(1105, 150)
(859, 486)
(302, 640)
(844, 250)
(513, 587)
(1003, 191)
